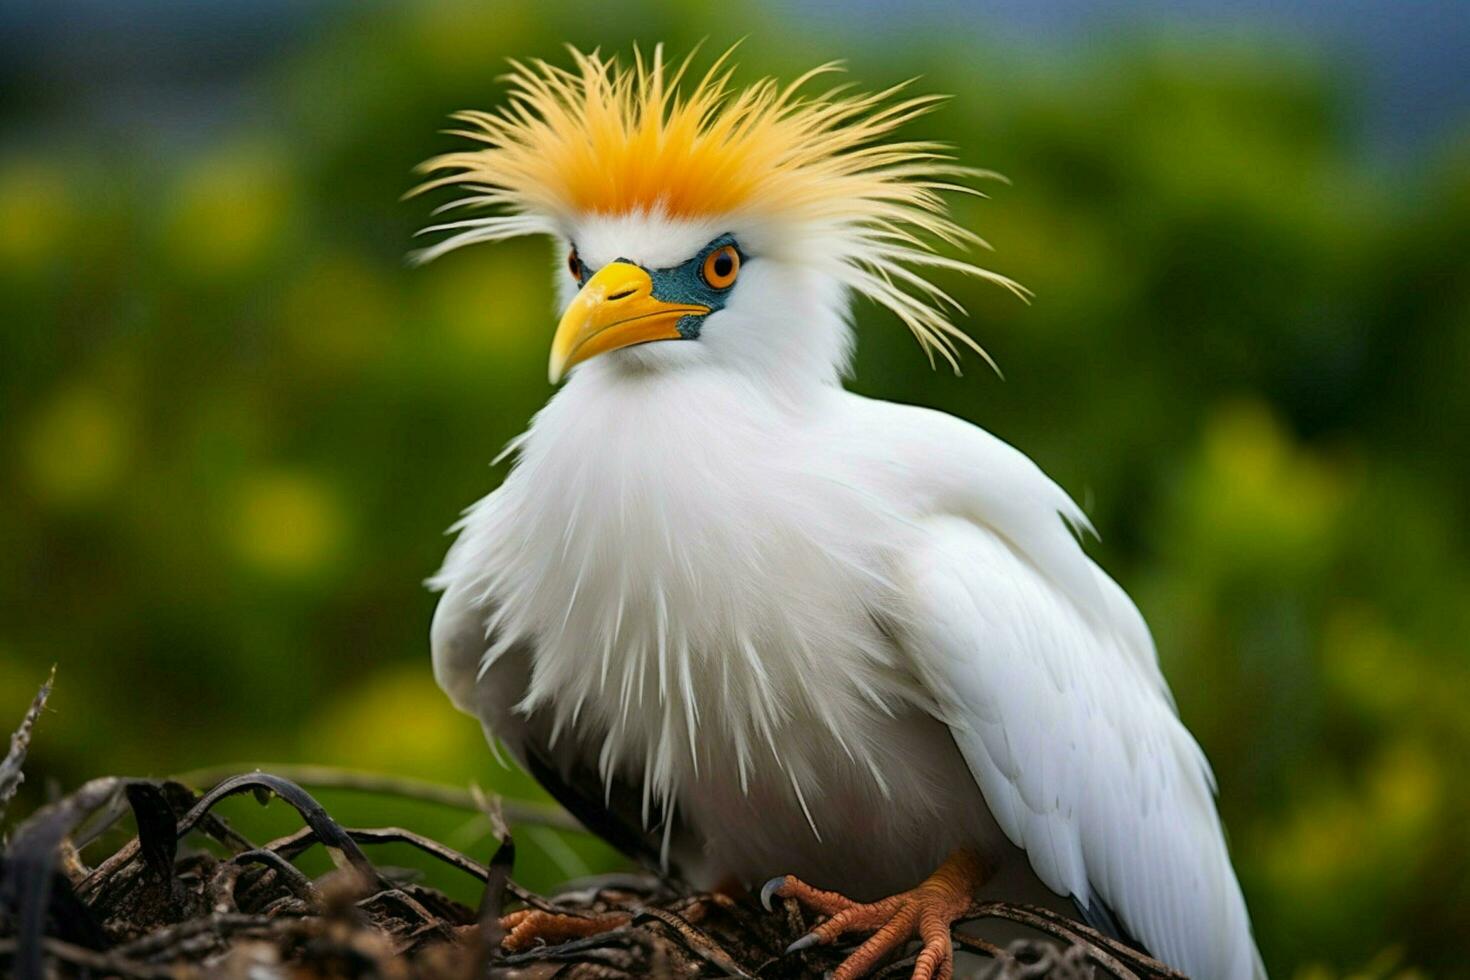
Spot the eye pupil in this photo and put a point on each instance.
(721, 267)
(574, 264)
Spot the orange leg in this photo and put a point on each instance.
(526, 927)
(925, 912)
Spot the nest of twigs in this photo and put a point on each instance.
(189, 896)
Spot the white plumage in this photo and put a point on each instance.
(819, 634)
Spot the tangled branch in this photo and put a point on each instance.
(189, 896)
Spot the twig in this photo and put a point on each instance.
(357, 914)
(497, 883)
(27, 889)
(291, 875)
(293, 845)
(977, 945)
(1103, 950)
(106, 963)
(340, 847)
(352, 780)
(12, 766)
(695, 941)
(1090, 937)
(218, 923)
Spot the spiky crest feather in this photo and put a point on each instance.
(605, 139)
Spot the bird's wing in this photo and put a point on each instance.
(1048, 678)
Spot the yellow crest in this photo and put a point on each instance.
(601, 138)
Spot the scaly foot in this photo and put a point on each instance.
(925, 912)
(526, 927)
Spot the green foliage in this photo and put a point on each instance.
(236, 425)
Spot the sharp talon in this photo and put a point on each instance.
(769, 889)
(924, 912)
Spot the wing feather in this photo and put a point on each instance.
(1069, 730)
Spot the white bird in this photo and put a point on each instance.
(748, 624)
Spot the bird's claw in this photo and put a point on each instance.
(924, 913)
(528, 927)
(769, 889)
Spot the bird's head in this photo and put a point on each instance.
(699, 224)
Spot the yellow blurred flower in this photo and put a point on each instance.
(1387, 965)
(37, 212)
(229, 211)
(397, 720)
(77, 446)
(1376, 830)
(1405, 791)
(1369, 663)
(287, 524)
(337, 313)
(1064, 256)
(491, 308)
(454, 35)
(1257, 500)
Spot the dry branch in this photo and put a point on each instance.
(12, 766)
(189, 896)
(380, 784)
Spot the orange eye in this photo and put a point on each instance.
(721, 267)
(574, 263)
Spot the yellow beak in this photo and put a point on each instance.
(616, 308)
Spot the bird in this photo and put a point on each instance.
(761, 632)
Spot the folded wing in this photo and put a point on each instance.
(1067, 727)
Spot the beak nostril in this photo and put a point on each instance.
(624, 294)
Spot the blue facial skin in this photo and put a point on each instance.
(685, 284)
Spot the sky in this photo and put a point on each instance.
(1410, 57)
(1407, 58)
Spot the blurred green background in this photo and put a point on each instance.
(235, 424)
